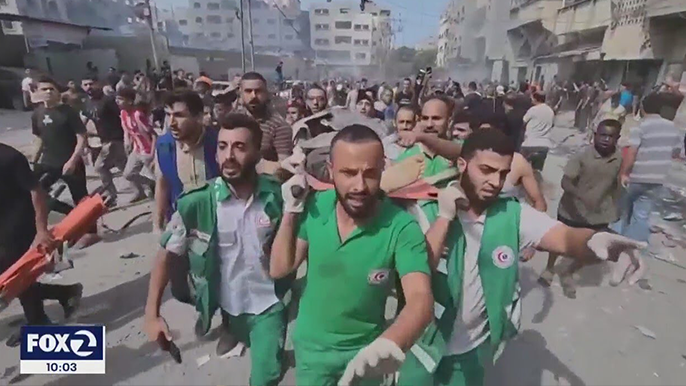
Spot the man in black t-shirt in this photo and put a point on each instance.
(103, 113)
(404, 97)
(23, 223)
(62, 138)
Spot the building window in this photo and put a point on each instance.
(271, 21)
(228, 4)
(230, 35)
(360, 55)
(196, 5)
(256, 21)
(343, 40)
(344, 25)
(213, 6)
(3, 2)
(361, 42)
(183, 22)
(321, 27)
(321, 11)
(216, 35)
(321, 42)
(365, 27)
(214, 19)
(229, 20)
(7, 24)
(344, 10)
(272, 36)
(185, 38)
(198, 20)
(289, 37)
(385, 13)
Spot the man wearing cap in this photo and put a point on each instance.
(203, 86)
(474, 251)
(356, 242)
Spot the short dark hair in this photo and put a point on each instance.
(127, 93)
(355, 133)
(523, 86)
(226, 98)
(487, 139)
(407, 79)
(462, 116)
(190, 98)
(234, 121)
(613, 123)
(652, 103)
(254, 76)
(90, 77)
(539, 97)
(445, 99)
(364, 80)
(409, 108)
(47, 79)
(472, 85)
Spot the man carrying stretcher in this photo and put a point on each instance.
(23, 224)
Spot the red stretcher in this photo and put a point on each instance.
(35, 261)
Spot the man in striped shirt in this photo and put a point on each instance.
(644, 168)
(277, 135)
(138, 128)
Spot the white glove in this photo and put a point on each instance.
(381, 357)
(602, 243)
(291, 203)
(450, 199)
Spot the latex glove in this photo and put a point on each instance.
(381, 357)
(450, 200)
(291, 203)
(604, 243)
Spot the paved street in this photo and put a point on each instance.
(592, 340)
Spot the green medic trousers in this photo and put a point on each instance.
(466, 369)
(265, 334)
(315, 366)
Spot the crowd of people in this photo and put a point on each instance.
(247, 187)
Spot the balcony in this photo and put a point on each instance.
(525, 12)
(656, 8)
(583, 15)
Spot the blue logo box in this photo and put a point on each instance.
(75, 343)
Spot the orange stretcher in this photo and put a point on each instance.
(36, 261)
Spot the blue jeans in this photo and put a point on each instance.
(634, 208)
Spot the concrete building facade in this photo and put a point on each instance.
(343, 37)
(278, 26)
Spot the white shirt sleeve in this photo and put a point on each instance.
(533, 225)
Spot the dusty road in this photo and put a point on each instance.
(593, 340)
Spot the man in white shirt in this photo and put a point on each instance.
(475, 282)
(539, 125)
(27, 87)
(222, 234)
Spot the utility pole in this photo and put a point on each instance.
(148, 14)
(240, 17)
(252, 43)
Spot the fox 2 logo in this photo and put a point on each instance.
(63, 343)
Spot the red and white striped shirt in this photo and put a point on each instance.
(138, 126)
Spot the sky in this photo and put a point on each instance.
(414, 20)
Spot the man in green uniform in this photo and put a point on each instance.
(355, 241)
(225, 229)
(475, 282)
(430, 140)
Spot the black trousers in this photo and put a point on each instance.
(76, 182)
(32, 298)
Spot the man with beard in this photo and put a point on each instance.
(473, 250)
(355, 241)
(185, 155)
(405, 96)
(103, 113)
(430, 134)
(225, 230)
(277, 136)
